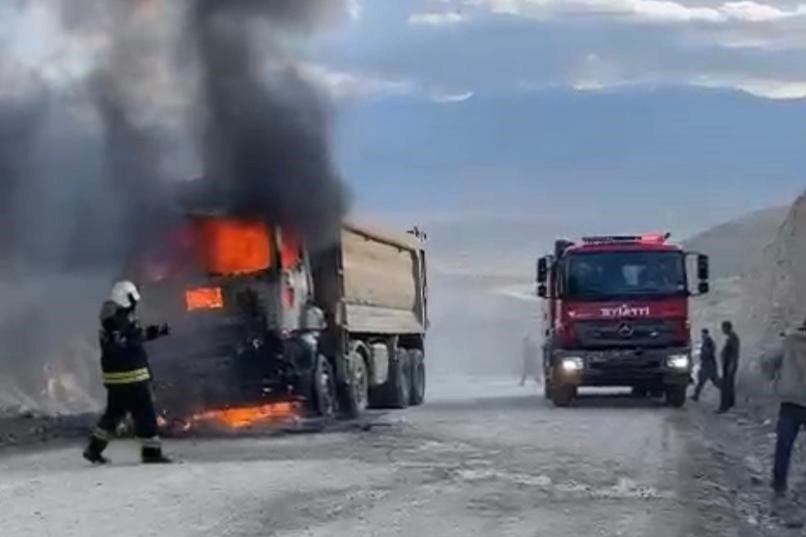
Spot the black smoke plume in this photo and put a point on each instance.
(266, 134)
(88, 173)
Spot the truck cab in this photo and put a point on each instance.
(617, 314)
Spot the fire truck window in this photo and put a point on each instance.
(620, 274)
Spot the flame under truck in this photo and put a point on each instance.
(617, 314)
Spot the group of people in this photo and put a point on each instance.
(709, 371)
(785, 367)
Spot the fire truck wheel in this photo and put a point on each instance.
(563, 395)
(356, 394)
(417, 363)
(676, 396)
(399, 384)
(324, 388)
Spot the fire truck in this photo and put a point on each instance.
(617, 314)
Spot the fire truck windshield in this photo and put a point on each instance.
(604, 275)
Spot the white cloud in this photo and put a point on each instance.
(649, 11)
(435, 18)
(760, 87)
(345, 85)
(444, 97)
(355, 9)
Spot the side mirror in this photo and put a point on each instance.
(703, 272)
(703, 288)
(542, 270)
(542, 290)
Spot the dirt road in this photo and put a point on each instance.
(498, 462)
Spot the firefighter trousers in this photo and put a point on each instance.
(134, 399)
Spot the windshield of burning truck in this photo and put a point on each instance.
(625, 274)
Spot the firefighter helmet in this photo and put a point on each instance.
(125, 294)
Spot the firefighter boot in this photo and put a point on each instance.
(94, 451)
(154, 455)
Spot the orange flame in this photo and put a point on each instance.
(204, 298)
(244, 417)
(231, 246)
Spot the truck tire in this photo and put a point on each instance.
(417, 365)
(564, 395)
(676, 396)
(398, 387)
(356, 393)
(324, 388)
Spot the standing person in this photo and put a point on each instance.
(708, 368)
(126, 376)
(786, 368)
(529, 366)
(730, 366)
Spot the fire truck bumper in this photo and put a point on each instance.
(648, 367)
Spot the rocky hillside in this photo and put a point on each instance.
(775, 291)
(736, 246)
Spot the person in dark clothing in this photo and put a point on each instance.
(126, 376)
(730, 366)
(708, 368)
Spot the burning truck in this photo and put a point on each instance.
(265, 327)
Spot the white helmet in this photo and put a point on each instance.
(125, 294)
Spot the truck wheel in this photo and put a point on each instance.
(398, 386)
(356, 393)
(417, 364)
(676, 396)
(324, 388)
(563, 396)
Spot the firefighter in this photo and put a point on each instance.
(126, 376)
(708, 369)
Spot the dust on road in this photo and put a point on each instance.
(483, 457)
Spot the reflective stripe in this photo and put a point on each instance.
(151, 442)
(100, 434)
(127, 377)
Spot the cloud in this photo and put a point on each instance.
(768, 88)
(347, 85)
(443, 97)
(436, 18)
(355, 9)
(646, 11)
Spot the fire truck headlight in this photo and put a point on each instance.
(678, 361)
(572, 365)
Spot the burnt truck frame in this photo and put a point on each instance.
(340, 330)
(646, 364)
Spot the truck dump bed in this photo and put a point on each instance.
(382, 282)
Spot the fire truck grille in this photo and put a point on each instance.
(627, 333)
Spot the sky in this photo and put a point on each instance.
(502, 122)
(599, 114)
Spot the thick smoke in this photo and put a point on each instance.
(103, 135)
(266, 131)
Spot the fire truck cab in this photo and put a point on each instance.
(617, 314)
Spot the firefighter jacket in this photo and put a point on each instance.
(123, 357)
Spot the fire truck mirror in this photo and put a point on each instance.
(542, 270)
(702, 268)
(542, 291)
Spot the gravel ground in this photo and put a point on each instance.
(483, 457)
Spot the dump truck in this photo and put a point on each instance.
(259, 318)
(617, 314)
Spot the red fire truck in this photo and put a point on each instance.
(617, 314)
